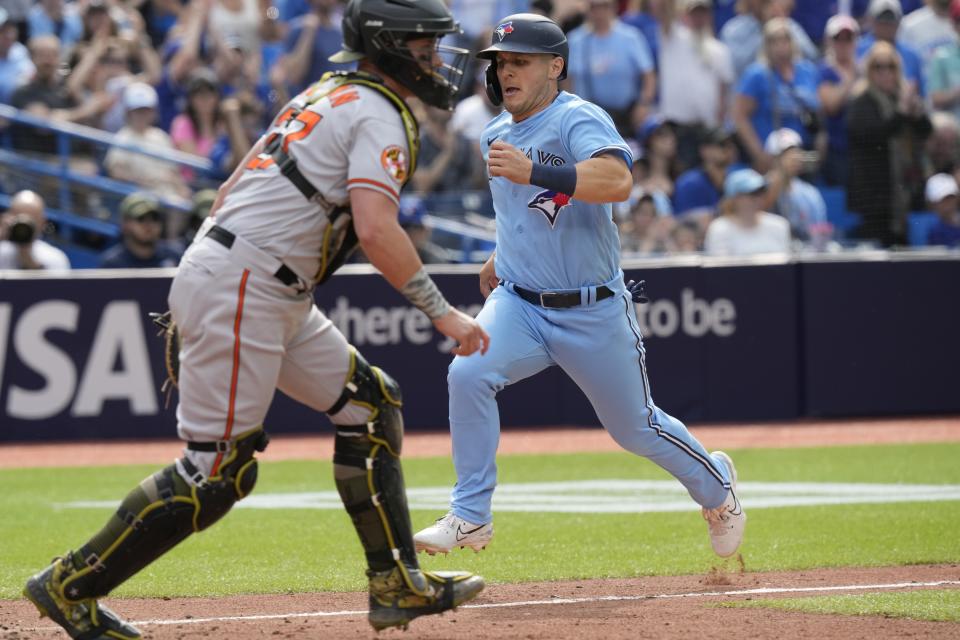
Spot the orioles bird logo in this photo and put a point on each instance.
(504, 29)
(549, 203)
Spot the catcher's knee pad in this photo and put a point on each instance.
(367, 471)
(371, 388)
(161, 512)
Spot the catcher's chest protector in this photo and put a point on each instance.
(340, 239)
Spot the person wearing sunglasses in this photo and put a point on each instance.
(887, 125)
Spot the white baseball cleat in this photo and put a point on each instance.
(450, 532)
(726, 522)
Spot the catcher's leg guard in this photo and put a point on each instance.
(367, 471)
(158, 514)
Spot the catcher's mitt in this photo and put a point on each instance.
(171, 347)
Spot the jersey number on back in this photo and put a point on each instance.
(296, 125)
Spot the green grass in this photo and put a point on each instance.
(935, 606)
(277, 551)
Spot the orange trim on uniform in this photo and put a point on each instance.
(343, 95)
(383, 186)
(236, 367)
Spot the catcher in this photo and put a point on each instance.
(324, 177)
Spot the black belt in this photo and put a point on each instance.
(284, 274)
(552, 300)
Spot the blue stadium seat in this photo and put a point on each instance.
(919, 224)
(843, 221)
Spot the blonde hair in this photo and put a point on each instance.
(771, 29)
(874, 53)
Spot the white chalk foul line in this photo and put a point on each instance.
(552, 601)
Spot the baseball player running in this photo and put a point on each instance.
(326, 175)
(555, 294)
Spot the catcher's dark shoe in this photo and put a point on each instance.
(86, 620)
(394, 604)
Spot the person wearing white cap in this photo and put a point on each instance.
(943, 197)
(790, 196)
(744, 228)
(140, 102)
(838, 76)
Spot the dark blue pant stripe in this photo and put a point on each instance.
(651, 422)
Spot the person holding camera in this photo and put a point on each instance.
(777, 91)
(21, 227)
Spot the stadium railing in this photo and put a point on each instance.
(83, 204)
(78, 202)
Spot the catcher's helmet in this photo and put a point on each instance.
(523, 33)
(378, 30)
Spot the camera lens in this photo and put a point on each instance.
(22, 231)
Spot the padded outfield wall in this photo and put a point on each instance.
(872, 335)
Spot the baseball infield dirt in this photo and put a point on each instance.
(650, 607)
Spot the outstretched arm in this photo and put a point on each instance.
(389, 249)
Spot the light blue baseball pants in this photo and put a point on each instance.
(599, 346)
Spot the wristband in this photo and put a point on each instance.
(562, 179)
(422, 292)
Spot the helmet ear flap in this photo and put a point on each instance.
(494, 91)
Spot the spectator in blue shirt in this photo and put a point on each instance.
(639, 14)
(15, 65)
(838, 76)
(290, 10)
(53, 17)
(744, 33)
(699, 190)
(779, 90)
(943, 197)
(182, 54)
(313, 38)
(884, 17)
(611, 66)
(723, 12)
(140, 246)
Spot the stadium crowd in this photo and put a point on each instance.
(751, 120)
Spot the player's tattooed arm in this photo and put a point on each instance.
(422, 292)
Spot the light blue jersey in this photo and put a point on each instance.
(547, 241)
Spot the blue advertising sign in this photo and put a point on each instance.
(881, 338)
(725, 342)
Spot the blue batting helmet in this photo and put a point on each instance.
(523, 33)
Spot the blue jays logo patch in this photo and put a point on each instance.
(504, 29)
(549, 203)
